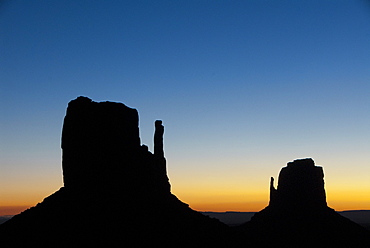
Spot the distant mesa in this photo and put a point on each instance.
(298, 215)
(108, 172)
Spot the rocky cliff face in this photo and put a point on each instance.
(300, 185)
(98, 140)
(101, 150)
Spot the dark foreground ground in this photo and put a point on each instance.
(361, 217)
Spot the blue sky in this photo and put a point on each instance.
(242, 88)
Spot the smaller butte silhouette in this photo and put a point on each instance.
(298, 215)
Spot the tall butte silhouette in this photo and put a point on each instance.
(116, 193)
(298, 215)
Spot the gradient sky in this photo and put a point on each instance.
(242, 87)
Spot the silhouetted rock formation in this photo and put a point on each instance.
(99, 140)
(101, 150)
(298, 215)
(301, 185)
(116, 193)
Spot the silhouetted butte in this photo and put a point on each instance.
(116, 193)
(298, 215)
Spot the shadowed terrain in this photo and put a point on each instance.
(361, 217)
(107, 171)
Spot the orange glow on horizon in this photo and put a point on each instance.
(206, 199)
(348, 199)
(12, 210)
(338, 205)
(229, 207)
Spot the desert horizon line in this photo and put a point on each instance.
(206, 206)
(17, 209)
